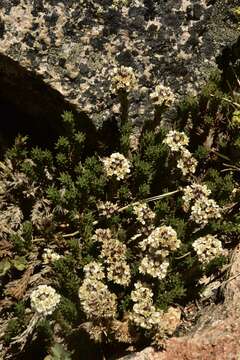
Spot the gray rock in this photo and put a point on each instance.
(73, 46)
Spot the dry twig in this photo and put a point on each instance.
(17, 288)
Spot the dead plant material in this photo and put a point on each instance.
(5, 303)
(17, 288)
(22, 339)
(5, 249)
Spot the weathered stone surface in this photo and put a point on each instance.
(74, 44)
(217, 333)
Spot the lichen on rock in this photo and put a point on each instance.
(75, 45)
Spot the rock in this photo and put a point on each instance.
(73, 45)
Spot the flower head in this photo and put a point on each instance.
(163, 237)
(116, 165)
(107, 208)
(207, 248)
(49, 256)
(94, 270)
(134, 140)
(102, 235)
(113, 251)
(170, 320)
(162, 94)
(119, 273)
(176, 140)
(122, 78)
(187, 163)
(44, 300)
(194, 192)
(154, 267)
(236, 118)
(97, 301)
(143, 212)
(157, 247)
(203, 210)
(144, 313)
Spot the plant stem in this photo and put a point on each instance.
(154, 198)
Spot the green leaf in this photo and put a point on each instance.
(20, 263)
(5, 265)
(58, 353)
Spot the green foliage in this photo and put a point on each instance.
(162, 208)
(66, 277)
(5, 266)
(90, 180)
(18, 151)
(179, 224)
(18, 243)
(126, 131)
(220, 185)
(22, 242)
(19, 309)
(216, 263)
(44, 332)
(69, 311)
(14, 328)
(19, 263)
(27, 230)
(170, 291)
(58, 353)
(201, 153)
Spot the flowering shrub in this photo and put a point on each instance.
(110, 240)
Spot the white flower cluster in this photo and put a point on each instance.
(207, 248)
(107, 208)
(122, 78)
(161, 241)
(143, 213)
(44, 300)
(102, 235)
(170, 320)
(162, 94)
(50, 256)
(205, 209)
(177, 141)
(119, 273)
(144, 313)
(195, 197)
(97, 301)
(187, 163)
(194, 192)
(113, 252)
(156, 268)
(116, 165)
(158, 246)
(94, 270)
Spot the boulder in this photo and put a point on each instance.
(73, 46)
